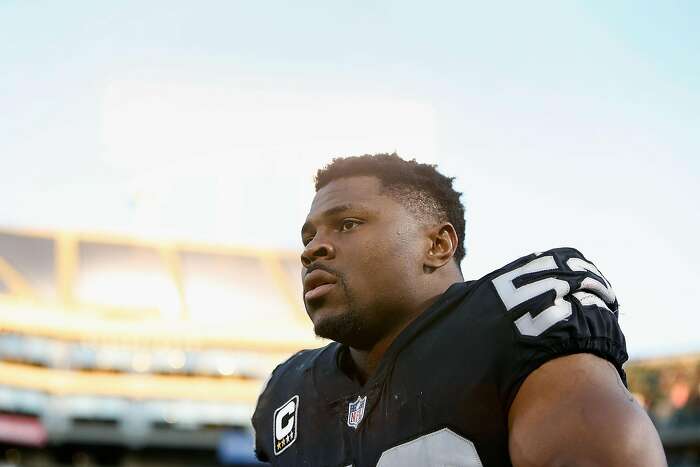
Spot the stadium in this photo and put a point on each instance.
(96, 372)
(117, 351)
(157, 162)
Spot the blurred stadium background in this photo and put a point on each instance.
(116, 351)
(177, 129)
(126, 352)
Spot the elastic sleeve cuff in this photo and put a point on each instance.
(602, 347)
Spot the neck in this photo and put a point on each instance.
(366, 361)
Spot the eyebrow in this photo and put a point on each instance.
(331, 212)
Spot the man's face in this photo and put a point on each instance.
(362, 261)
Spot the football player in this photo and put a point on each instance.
(522, 367)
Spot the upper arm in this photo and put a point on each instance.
(575, 411)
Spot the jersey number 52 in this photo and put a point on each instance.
(590, 291)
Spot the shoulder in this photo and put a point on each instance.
(291, 374)
(547, 305)
(560, 274)
(556, 260)
(297, 364)
(289, 380)
(534, 280)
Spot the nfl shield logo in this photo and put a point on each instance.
(356, 410)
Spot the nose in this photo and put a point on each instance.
(318, 248)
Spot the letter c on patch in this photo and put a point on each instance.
(286, 413)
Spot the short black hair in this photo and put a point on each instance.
(419, 187)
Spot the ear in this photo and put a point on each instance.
(443, 244)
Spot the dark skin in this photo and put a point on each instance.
(375, 244)
(387, 265)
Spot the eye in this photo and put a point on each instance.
(348, 224)
(305, 240)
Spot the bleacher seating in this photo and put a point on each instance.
(140, 344)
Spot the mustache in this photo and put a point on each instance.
(322, 267)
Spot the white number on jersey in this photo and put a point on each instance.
(590, 292)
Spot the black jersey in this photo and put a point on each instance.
(442, 391)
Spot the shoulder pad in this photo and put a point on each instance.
(546, 284)
(287, 381)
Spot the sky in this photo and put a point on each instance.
(565, 124)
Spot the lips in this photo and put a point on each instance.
(318, 283)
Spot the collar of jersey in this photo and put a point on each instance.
(335, 387)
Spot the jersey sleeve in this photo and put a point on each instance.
(554, 303)
(262, 415)
(286, 379)
(259, 447)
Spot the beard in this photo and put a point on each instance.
(349, 327)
